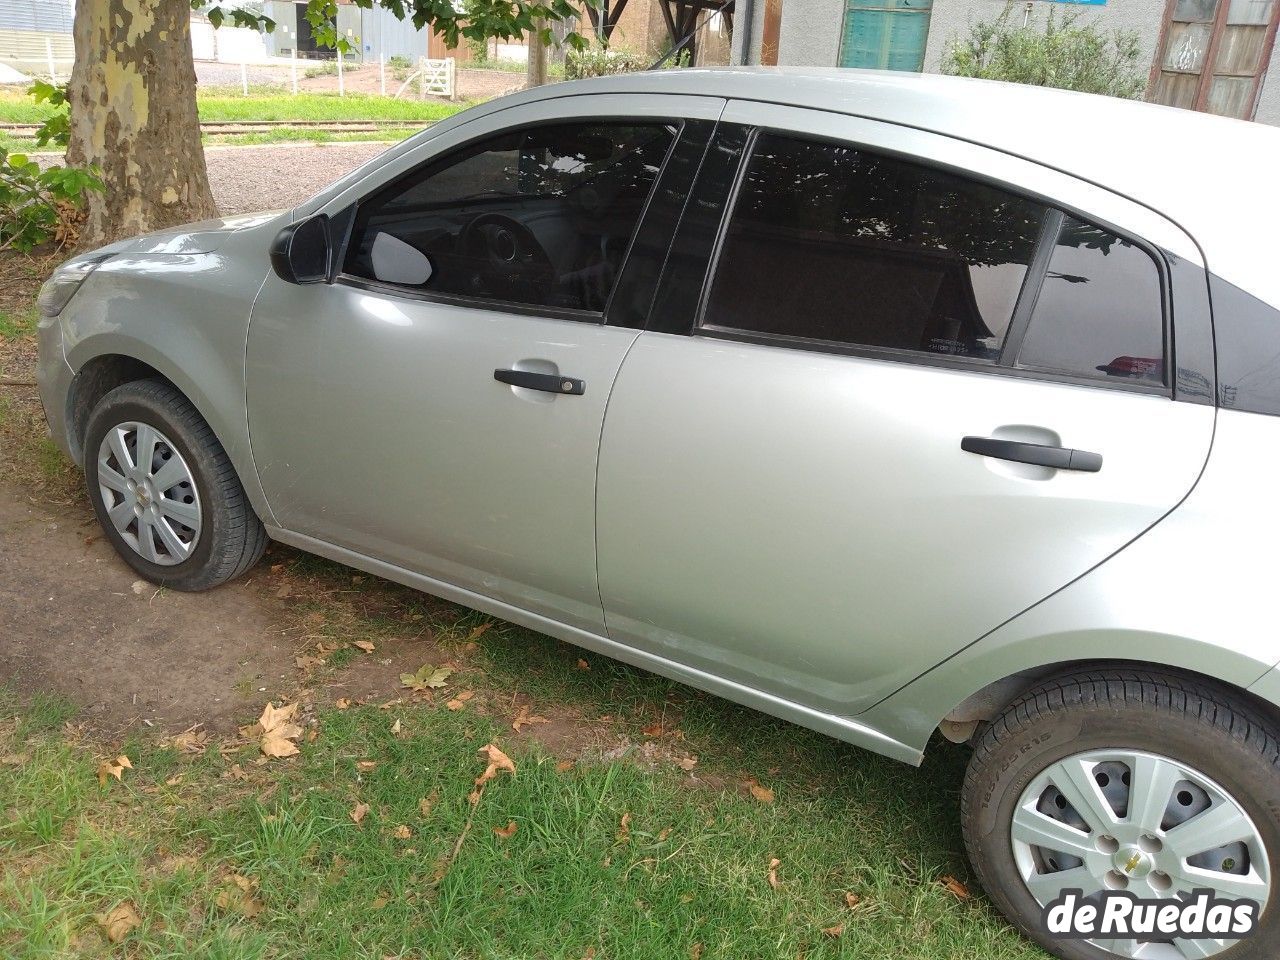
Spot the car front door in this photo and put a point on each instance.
(439, 406)
(916, 399)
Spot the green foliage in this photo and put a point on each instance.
(56, 129)
(474, 20)
(1063, 53)
(602, 62)
(34, 203)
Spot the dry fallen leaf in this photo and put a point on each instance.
(117, 923)
(365, 645)
(239, 897)
(460, 701)
(956, 887)
(308, 662)
(564, 765)
(653, 730)
(498, 761)
(277, 729)
(402, 832)
(113, 768)
(525, 718)
(763, 794)
(479, 631)
(774, 864)
(395, 728)
(358, 812)
(343, 703)
(687, 763)
(426, 803)
(377, 903)
(664, 833)
(190, 741)
(695, 952)
(852, 901)
(624, 828)
(583, 665)
(139, 587)
(364, 766)
(427, 677)
(836, 931)
(507, 832)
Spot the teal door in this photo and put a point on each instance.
(885, 34)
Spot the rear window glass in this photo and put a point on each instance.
(830, 243)
(1100, 312)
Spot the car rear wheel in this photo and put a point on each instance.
(165, 492)
(1127, 781)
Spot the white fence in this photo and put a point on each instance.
(35, 51)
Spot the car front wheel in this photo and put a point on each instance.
(165, 491)
(1127, 784)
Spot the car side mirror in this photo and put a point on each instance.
(303, 252)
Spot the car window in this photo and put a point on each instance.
(827, 242)
(1099, 313)
(540, 215)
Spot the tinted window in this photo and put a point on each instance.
(827, 242)
(1099, 313)
(541, 215)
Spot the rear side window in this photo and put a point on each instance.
(833, 244)
(1099, 313)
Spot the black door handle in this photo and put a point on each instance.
(546, 382)
(1060, 458)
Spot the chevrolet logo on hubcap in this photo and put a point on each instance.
(1132, 863)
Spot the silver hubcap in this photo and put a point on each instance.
(1126, 820)
(149, 493)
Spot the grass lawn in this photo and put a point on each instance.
(216, 856)
(223, 106)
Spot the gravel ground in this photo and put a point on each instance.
(246, 179)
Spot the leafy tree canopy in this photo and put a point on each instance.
(475, 20)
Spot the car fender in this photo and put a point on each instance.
(186, 316)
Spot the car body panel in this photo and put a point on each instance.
(187, 316)
(1194, 593)
(487, 486)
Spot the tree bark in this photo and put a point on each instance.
(133, 114)
(536, 71)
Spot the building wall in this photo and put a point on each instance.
(951, 18)
(46, 16)
(1269, 96)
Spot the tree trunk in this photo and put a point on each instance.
(536, 72)
(133, 114)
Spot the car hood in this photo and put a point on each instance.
(205, 236)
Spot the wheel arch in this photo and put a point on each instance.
(959, 696)
(104, 362)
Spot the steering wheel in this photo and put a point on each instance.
(505, 249)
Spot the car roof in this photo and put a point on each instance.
(1208, 174)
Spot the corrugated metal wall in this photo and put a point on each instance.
(381, 32)
(47, 16)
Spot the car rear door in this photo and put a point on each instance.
(813, 477)
(445, 419)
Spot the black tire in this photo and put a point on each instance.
(231, 538)
(1195, 723)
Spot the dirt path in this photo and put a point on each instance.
(74, 620)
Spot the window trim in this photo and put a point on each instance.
(998, 366)
(598, 317)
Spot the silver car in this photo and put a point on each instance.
(882, 403)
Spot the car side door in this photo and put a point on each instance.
(924, 386)
(438, 406)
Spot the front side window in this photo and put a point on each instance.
(538, 216)
(830, 243)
